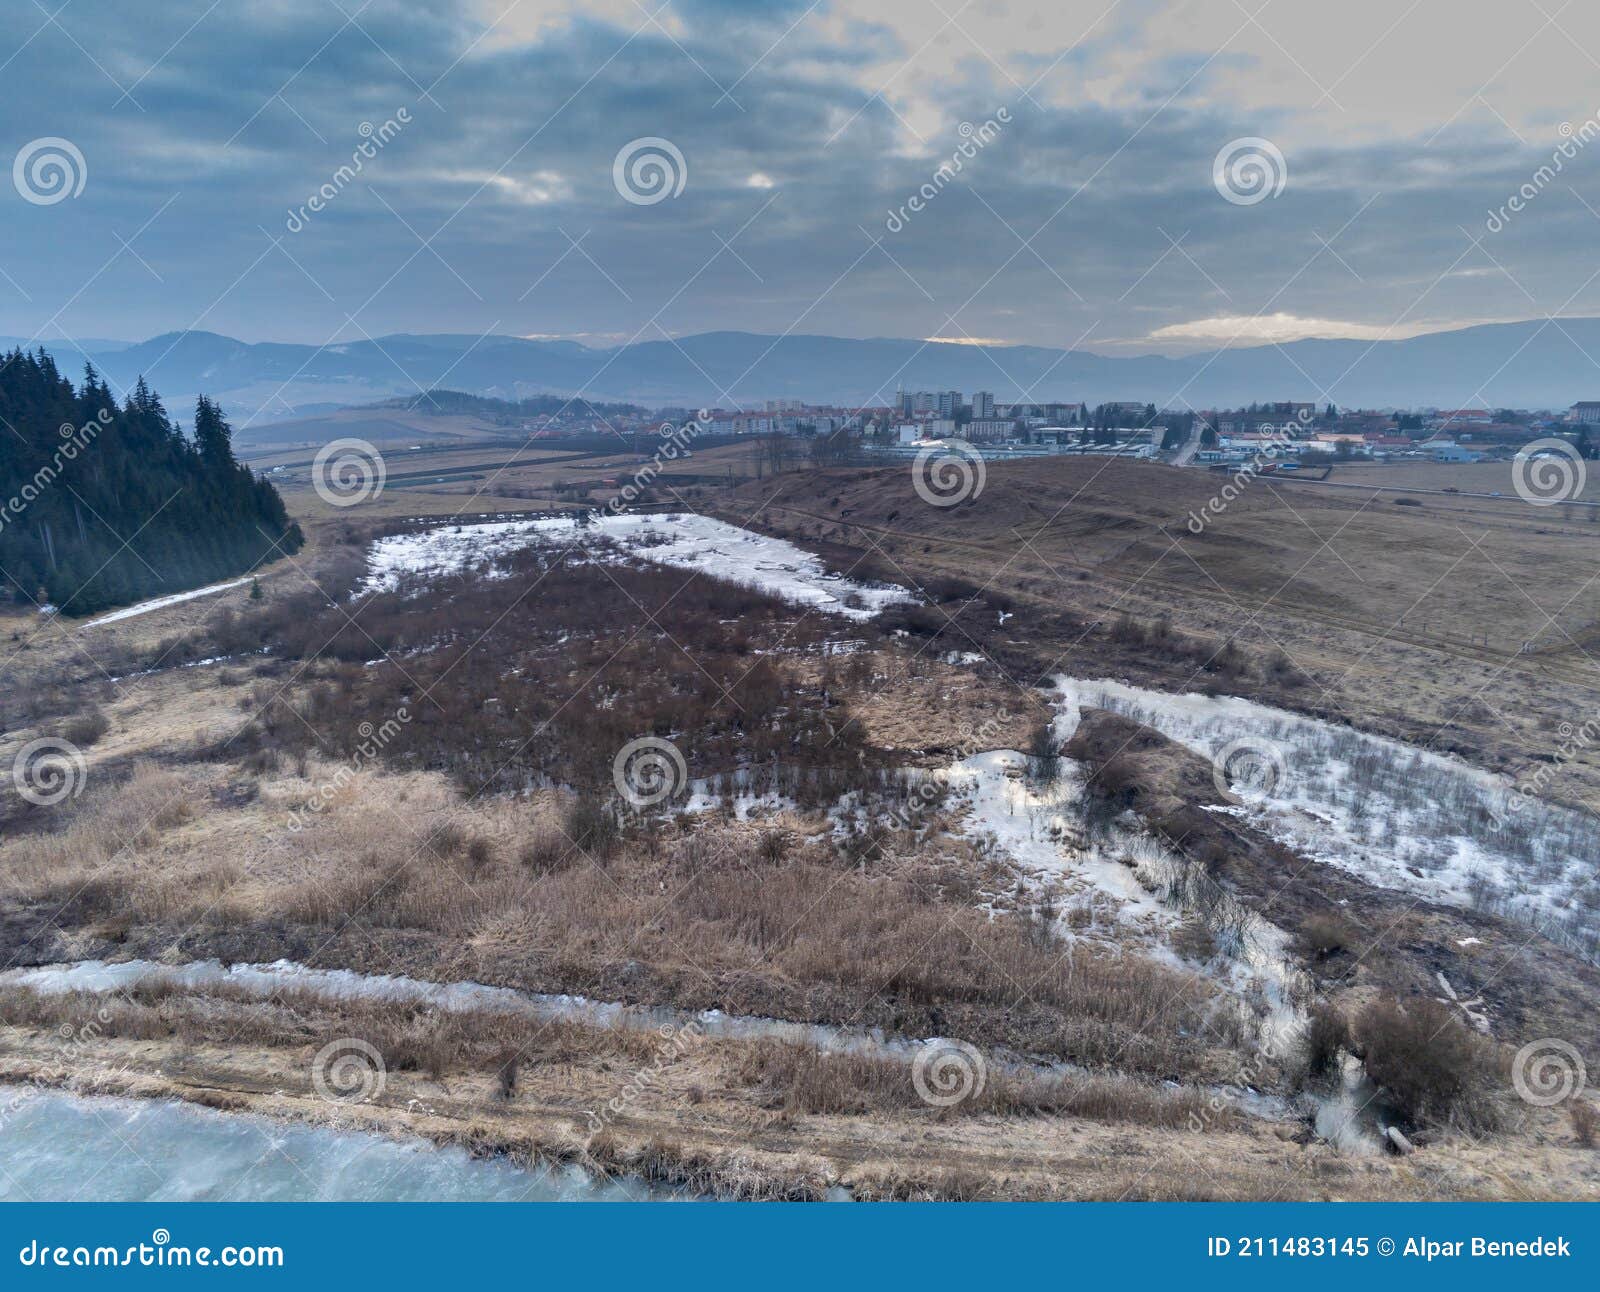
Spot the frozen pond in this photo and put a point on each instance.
(67, 1148)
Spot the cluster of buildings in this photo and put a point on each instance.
(1285, 430)
(1438, 435)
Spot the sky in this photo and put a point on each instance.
(1119, 175)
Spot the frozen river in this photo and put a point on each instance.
(58, 1147)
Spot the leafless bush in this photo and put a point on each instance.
(1325, 1035)
(87, 727)
(1585, 1122)
(1326, 934)
(774, 846)
(1435, 1069)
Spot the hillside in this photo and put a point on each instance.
(1411, 621)
(1527, 364)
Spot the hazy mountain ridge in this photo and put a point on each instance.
(1545, 363)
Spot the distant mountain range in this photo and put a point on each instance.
(1536, 364)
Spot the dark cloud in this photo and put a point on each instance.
(1091, 212)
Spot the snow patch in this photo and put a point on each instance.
(684, 541)
(161, 603)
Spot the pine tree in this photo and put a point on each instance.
(102, 504)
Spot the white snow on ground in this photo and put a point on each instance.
(1398, 816)
(1036, 826)
(685, 541)
(161, 603)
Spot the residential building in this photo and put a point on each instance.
(989, 428)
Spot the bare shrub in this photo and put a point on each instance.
(547, 851)
(1326, 934)
(1585, 1122)
(1325, 1035)
(86, 728)
(592, 827)
(1430, 1063)
(774, 846)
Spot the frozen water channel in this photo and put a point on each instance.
(70, 1148)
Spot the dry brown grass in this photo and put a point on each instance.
(413, 1037)
(691, 907)
(804, 1080)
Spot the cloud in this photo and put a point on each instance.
(1090, 215)
(1244, 329)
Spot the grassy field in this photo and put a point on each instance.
(1457, 628)
(485, 842)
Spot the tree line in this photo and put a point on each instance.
(104, 503)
